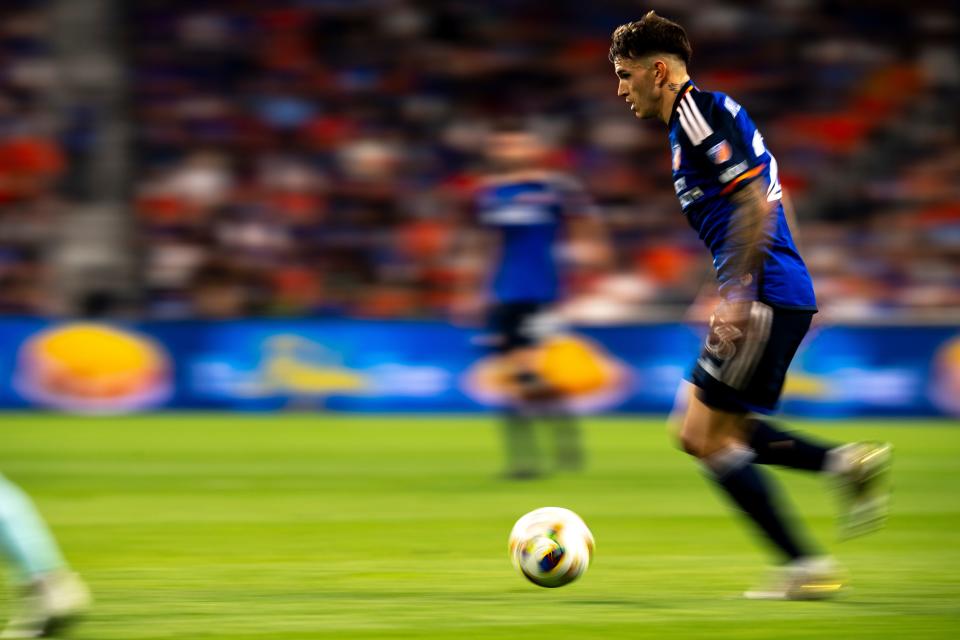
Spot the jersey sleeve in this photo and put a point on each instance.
(724, 138)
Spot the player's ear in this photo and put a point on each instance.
(659, 72)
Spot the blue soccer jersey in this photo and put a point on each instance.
(716, 150)
(527, 212)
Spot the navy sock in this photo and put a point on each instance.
(773, 446)
(756, 497)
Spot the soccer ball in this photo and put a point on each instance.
(551, 546)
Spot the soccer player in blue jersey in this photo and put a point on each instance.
(526, 212)
(726, 181)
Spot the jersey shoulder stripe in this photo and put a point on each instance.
(696, 113)
(692, 120)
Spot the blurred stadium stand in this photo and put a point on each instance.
(296, 158)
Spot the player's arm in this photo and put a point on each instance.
(746, 243)
(725, 138)
(748, 235)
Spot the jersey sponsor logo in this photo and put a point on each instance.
(720, 152)
(676, 157)
(517, 214)
(732, 172)
(731, 105)
(690, 197)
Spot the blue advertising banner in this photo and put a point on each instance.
(366, 366)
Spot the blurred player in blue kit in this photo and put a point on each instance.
(50, 595)
(525, 215)
(729, 192)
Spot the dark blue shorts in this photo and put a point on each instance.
(514, 325)
(742, 367)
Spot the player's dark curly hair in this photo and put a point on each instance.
(650, 34)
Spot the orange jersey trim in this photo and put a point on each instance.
(753, 173)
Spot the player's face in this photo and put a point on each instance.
(637, 86)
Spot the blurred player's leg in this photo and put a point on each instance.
(804, 574)
(862, 470)
(742, 369)
(520, 329)
(50, 594)
(546, 404)
(567, 437)
(757, 497)
(715, 438)
(774, 446)
(520, 440)
(536, 404)
(23, 535)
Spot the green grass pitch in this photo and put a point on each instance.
(311, 526)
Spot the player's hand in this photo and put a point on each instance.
(702, 309)
(735, 313)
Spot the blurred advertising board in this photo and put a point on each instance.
(397, 366)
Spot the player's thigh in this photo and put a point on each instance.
(517, 329)
(706, 430)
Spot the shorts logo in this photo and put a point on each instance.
(676, 157)
(722, 341)
(720, 152)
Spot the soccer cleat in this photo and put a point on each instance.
(804, 579)
(47, 605)
(864, 487)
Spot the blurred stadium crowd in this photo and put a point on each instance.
(318, 156)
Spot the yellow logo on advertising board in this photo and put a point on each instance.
(90, 367)
(293, 364)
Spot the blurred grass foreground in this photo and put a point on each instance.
(295, 527)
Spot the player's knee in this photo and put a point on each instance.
(691, 443)
(690, 436)
(701, 439)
